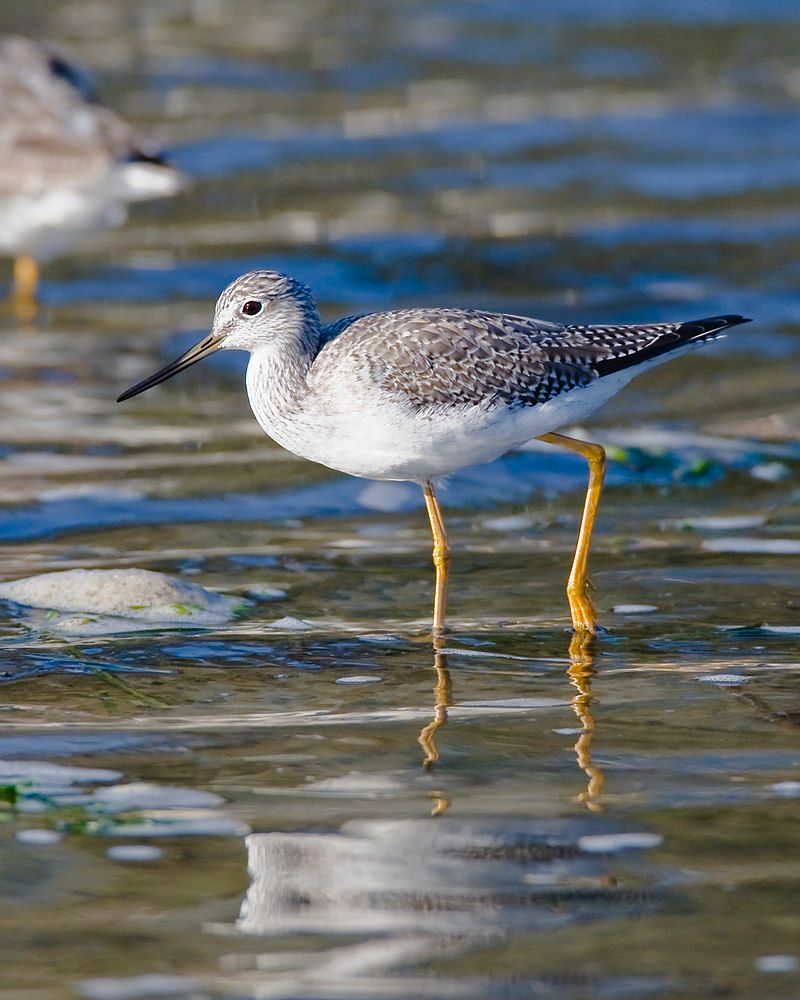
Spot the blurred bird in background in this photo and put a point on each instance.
(68, 165)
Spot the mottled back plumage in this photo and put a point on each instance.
(447, 357)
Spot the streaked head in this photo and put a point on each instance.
(262, 309)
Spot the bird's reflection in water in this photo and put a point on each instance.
(581, 671)
(380, 895)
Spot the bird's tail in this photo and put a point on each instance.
(669, 337)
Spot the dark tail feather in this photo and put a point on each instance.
(696, 331)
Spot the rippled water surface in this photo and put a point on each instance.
(311, 802)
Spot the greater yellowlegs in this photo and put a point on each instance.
(414, 394)
(68, 166)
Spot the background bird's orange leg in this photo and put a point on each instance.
(441, 558)
(581, 606)
(26, 282)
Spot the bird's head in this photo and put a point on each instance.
(259, 310)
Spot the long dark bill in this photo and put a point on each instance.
(209, 345)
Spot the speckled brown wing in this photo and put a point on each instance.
(446, 357)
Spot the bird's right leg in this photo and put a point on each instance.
(441, 558)
(26, 282)
(584, 614)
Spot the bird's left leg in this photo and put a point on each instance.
(26, 282)
(441, 558)
(581, 606)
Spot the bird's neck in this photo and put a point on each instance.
(277, 377)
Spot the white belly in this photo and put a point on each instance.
(46, 223)
(49, 223)
(376, 435)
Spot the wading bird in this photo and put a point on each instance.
(68, 166)
(414, 394)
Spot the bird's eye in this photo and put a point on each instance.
(252, 307)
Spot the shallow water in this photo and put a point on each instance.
(340, 811)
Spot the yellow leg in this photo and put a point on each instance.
(581, 606)
(441, 558)
(26, 281)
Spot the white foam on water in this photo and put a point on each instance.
(754, 546)
(143, 795)
(31, 806)
(162, 824)
(138, 853)
(58, 776)
(771, 472)
(356, 783)
(263, 592)
(160, 810)
(605, 843)
(723, 680)
(633, 609)
(731, 522)
(514, 522)
(350, 543)
(84, 490)
(141, 987)
(512, 703)
(38, 837)
(290, 624)
(387, 497)
(487, 654)
(359, 679)
(785, 789)
(777, 963)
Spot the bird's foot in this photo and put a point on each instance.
(23, 295)
(585, 618)
(24, 307)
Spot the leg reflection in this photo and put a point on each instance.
(443, 693)
(581, 671)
